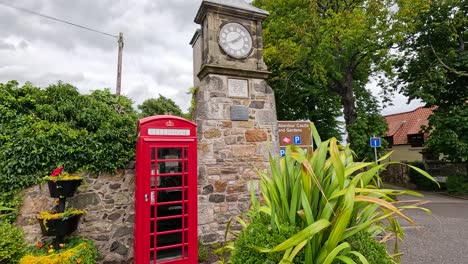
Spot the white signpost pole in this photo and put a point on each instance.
(375, 151)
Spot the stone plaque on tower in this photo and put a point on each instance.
(235, 110)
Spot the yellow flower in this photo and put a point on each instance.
(51, 250)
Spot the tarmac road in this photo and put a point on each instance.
(440, 237)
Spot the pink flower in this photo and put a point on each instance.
(57, 171)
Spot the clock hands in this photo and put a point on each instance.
(235, 40)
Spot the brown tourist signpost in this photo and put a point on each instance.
(294, 133)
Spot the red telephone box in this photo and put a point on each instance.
(166, 191)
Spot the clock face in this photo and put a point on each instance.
(235, 40)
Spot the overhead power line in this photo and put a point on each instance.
(11, 5)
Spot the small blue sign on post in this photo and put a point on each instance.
(297, 140)
(375, 142)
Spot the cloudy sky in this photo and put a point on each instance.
(157, 55)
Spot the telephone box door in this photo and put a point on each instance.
(166, 192)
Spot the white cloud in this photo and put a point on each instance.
(398, 104)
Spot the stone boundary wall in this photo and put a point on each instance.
(398, 173)
(444, 169)
(109, 202)
(395, 173)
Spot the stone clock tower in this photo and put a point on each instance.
(235, 110)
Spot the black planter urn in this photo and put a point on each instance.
(61, 226)
(63, 189)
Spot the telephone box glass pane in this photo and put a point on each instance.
(169, 239)
(171, 196)
(170, 210)
(170, 224)
(169, 254)
(170, 181)
(169, 167)
(153, 182)
(169, 153)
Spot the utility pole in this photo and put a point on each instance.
(119, 65)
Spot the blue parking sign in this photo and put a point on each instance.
(282, 152)
(297, 140)
(375, 142)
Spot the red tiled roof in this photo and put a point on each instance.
(403, 124)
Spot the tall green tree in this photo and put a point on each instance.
(434, 68)
(299, 97)
(160, 106)
(338, 43)
(368, 123)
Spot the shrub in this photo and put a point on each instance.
(76, 250)
(12, 245)
(457, 184)
(43, 128)
(419, 180)
(260, 233)
(202, 251)
(373, 251)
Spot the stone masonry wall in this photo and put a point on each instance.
(108, 200)
(229, 152)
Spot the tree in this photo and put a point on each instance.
(193, 103)
(449, 132)
(368, 123)
(434, 68)
(338, 43)
(299, 97)
(160, 106)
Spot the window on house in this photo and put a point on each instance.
(389, 140)
(416, 140)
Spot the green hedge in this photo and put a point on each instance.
(373, 251)
(457, 184)
(260, 233)
(419, 180)
(43, 128)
